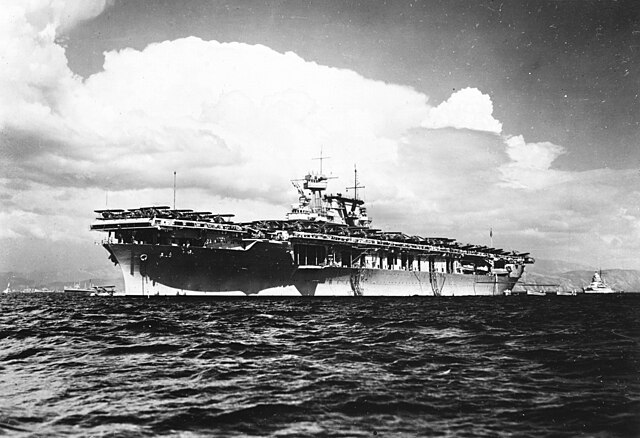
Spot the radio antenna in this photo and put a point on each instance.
(355, 183)
(321, 157)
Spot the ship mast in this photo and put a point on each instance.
(355, 183)
(321, 158)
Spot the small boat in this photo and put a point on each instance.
(567, 292)
(34, 290)
(598, 285)
(540, 290)
(104, 291)
(76, 289)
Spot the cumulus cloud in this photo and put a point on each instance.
(35, 77)
(530, 164)
(468, 108)
(538, 156)
(210, 108)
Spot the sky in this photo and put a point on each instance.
(461, 116)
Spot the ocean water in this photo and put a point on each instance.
(506, 366)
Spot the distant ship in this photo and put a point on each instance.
(105, 291)
(26, 290)
(324, 247)
(76, 289)
(598, 285)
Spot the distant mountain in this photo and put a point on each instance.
(57, 280)
(619, 279)
(552, 267)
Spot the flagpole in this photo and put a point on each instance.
(491, 236)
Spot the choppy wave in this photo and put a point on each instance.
(509, 366)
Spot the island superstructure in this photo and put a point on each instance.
(324, 247)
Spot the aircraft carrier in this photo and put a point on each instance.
(324, 247)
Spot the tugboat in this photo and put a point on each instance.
(598, 285)
(324, 247)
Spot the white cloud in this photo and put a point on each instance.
(538, 156)
(468, 108)
(217, 113)
(34, 77)
(530, 165)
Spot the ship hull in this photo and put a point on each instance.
(78, 292)
(266, 268)
(599, 291)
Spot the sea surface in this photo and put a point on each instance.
(504, 366)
